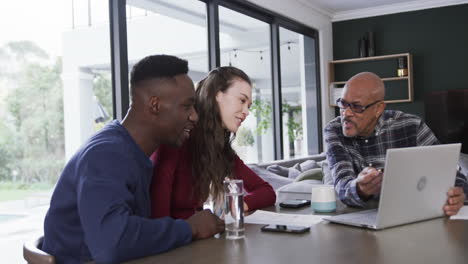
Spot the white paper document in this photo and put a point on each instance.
(272, 218)
(461, 215)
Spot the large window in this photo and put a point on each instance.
(299, 106)
(55, 84)
(245, 44)
(54, 93)
(282, 63)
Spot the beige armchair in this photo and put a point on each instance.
(34, 255)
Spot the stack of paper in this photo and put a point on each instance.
(272, 218)
(462, 214)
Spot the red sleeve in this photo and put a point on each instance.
(165, 161)
(260, 193)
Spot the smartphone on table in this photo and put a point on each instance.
(285, 229)
(294, 203)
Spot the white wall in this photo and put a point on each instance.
(308, 16)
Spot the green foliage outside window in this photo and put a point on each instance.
(294, 128)
(244, 137)
(262, 110)
(102, 88)
(31, 114)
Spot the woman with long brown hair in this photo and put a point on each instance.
(184, 178)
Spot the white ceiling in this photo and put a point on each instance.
(347, 5)
(339, 10)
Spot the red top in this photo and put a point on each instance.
(171, 188)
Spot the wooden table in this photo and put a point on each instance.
(434, 241)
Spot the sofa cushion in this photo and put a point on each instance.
(295, 170)
(312, 174)
(276, 181)
(291, 162)
(297, 165)
(308, 164)
(278, 170)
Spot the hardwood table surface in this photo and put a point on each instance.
(438, 240)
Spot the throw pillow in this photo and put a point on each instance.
(308, 164)
(312, 174)
(279, 170)
(291, 173)
(294, 171)
(276, 181)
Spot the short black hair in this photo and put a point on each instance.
(157, 66)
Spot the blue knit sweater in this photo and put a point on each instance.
(100, 207)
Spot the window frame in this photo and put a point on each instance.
(119, 57)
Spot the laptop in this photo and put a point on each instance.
(414, 187)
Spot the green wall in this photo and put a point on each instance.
(437, 38)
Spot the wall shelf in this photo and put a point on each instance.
(335, 86)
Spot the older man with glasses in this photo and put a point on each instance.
(358, 140)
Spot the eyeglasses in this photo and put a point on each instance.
(342, 104)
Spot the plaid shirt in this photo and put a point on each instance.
(347, 157)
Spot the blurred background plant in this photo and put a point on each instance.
(262, 111)
(31, 116)
(244, 137)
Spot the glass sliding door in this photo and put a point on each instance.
(299, 93)
(245, 44)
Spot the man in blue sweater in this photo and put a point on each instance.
(100, 207)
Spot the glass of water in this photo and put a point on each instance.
(234, 208)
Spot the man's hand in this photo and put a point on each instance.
(205, 224)
(369, 182)
(455, 198)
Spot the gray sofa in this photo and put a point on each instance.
(294, 178)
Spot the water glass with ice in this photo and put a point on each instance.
(234, 208)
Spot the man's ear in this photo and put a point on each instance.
(155, 105)
(380, 109)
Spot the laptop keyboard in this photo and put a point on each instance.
(368, 217)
